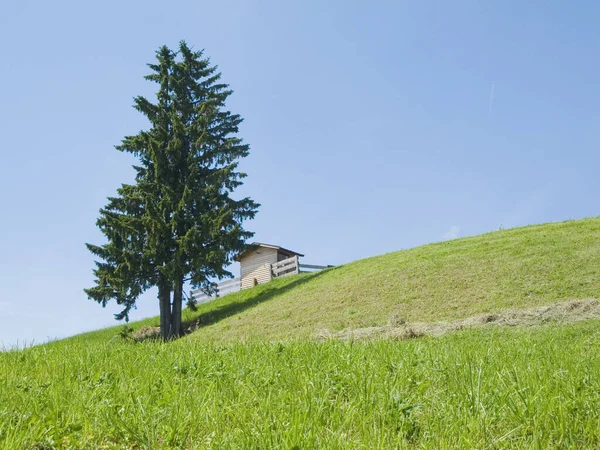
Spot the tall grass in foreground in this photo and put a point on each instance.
(493, 388)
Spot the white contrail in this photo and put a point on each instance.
(491, 105)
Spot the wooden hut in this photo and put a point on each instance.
(260, 263)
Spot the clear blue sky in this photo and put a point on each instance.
(373, 127)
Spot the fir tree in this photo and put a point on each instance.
(178, 221)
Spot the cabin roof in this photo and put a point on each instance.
(256, 245)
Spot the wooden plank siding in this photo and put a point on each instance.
(256, 267)
(259, 275)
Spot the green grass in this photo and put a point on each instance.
(493, 388)
(522, 267)
(252, 376)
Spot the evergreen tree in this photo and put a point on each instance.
(178, 221)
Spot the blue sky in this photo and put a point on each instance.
(373, 127)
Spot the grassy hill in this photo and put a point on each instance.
(253, 376)
(516, 268)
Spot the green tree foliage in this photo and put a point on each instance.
(178, 221)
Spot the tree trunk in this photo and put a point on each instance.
(164, 298)
(177, 304)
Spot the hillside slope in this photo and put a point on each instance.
(516, 268)
(520, 387)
